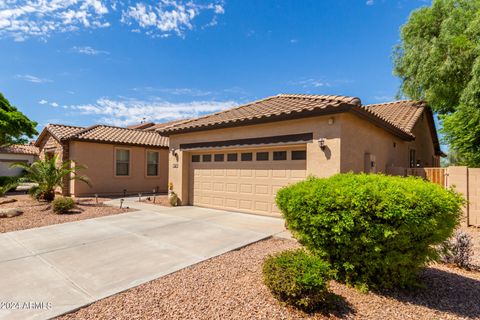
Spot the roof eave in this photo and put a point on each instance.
(274, 118)
(118, 143)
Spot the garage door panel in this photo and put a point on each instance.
(244, 186)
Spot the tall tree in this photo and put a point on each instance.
(438, 60)
(15, 127)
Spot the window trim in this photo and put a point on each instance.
(146, 163)
(115, 162)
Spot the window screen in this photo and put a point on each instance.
(262, 156)
(232, 157)
(219, 157)
(196, 158)
(207, 158)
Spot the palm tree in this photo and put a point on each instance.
(49, 176)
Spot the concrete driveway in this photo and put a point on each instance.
(52, 270)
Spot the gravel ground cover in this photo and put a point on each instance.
(38, 214)
(475, 234)
(160, 200)
(230, 287)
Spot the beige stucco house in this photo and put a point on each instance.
(16, 153)
(237, 159)
(118, 160)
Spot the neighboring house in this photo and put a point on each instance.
(237, 159)
(118, 160)
(16, 153)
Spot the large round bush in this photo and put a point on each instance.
(375, 230)
(297, 278)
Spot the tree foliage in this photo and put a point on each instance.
(14, 125)
(439, 60)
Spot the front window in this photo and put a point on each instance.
(152, 163)
(122, 162)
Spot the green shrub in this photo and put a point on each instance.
(173, 199)
(62, 205)
(7, 184)
(376, 231)
(297, 278)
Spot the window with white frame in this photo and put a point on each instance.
(122, 162)
(152, 163)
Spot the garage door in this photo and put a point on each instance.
(244, 180)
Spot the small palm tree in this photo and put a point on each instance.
(49, 176)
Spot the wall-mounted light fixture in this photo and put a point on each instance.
(331, 121)
(173, 151)
(321, 143)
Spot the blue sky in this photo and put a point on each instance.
(83, 62)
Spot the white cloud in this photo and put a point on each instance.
(175, 91)
(129, 111)
(89, 51)
(22, 19)
(311, 83)
(165, 17)
(383, 98)
(43, 101)
(54, 104)
(30, 78)
(370, 2)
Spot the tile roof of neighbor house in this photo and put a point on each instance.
(142, 125)
(397, 117)
(20, 149)
(118, 135)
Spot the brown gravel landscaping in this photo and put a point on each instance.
(161, 200)
(230, 287)
(38, 214)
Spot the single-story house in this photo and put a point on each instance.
(237, 159)
(118, 160)
(25, 153)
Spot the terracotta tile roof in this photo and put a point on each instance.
(268, 109)
(20, 149)
(164, 125)
(402, 114)
(62, 131)
(118, 135)
(143, 125)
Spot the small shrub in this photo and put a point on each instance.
(173, 199)
(297, 278)
(458, 250)
(7, 184)
(62, 205)
(377, 231)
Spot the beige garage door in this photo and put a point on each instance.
(244, 180)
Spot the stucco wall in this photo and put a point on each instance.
(100, 160)
(51, 145)
(360, 137)
(7, 159)
(322, 163)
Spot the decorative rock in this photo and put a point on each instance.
(10, 212)
(7, 201)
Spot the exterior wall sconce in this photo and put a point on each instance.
(321, 143)
(174, 152)
(330, 121)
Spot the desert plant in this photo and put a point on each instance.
(376, 231)
(173, 199)
(458, 250)
(48, 175)
(297, 278)
(7, 184)
(62, 205)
